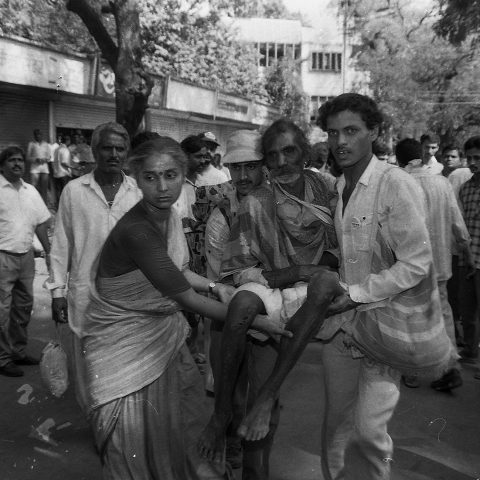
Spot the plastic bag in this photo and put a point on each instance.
(54, 368)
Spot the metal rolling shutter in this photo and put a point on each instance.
(179, 128)
(19, 116)
(80, 115)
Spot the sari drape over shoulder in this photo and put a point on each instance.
(146, 393)
(132, 331)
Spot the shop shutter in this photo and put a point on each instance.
(82, 115)
(19, 116)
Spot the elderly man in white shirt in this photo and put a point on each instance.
(90, 206)
(22, 214)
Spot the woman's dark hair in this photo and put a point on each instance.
(162, 145)
(9, 151)
(284, 125)
(142, 137)
(353, 102)
(192, 144)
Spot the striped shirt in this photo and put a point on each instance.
(470, 203)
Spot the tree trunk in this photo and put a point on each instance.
(133, 84)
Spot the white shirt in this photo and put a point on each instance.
(434, 166)
(21, 211)
(401, 218)
(39, 150)
(401, 215)
(82, 224)
(445, 223)
(210, 176)
(61, 157)
(458, 177)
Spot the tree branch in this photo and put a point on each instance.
(95, 26)
(428, 14)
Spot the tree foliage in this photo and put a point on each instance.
(45, 22)
(421, 81)
(460, 19)
(188, 39)
(254, 8)
(181, 40)
(283, 85)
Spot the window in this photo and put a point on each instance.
(326, 61)
(315, 103)
(262, 50)
(270, 53)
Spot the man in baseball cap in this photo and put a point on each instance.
(211, 175)
(211, 141)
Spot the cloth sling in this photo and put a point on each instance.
(274, 229)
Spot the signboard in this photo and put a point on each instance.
(25, 64)
(105, 85)
(235, 108)
(189, 98)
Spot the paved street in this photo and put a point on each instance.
(436, 435)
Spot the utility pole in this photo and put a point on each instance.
(345, 37)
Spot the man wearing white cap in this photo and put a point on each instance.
(281, 229)
(210, 175)
(245, 161)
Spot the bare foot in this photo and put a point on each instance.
(211, 444)
(256, 424)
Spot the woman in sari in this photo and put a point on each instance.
(146, 397)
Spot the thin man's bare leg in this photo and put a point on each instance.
(243, 309)
(322, 289)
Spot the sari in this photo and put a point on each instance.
(145, 392)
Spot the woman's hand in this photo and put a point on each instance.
(271, 326)
(224, 292)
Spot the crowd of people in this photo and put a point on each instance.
(267, 247)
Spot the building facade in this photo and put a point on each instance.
(324, 60)
(61, 93)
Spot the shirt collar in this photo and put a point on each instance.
(365, 178)
(89, 179)
(5, 183)
(371, 167)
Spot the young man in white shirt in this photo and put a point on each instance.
(361, 391)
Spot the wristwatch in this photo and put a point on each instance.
(211, 286)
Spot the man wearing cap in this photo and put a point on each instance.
(211, 175)
(280, 230)
(245, 161)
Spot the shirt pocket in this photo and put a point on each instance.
(361, 232)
